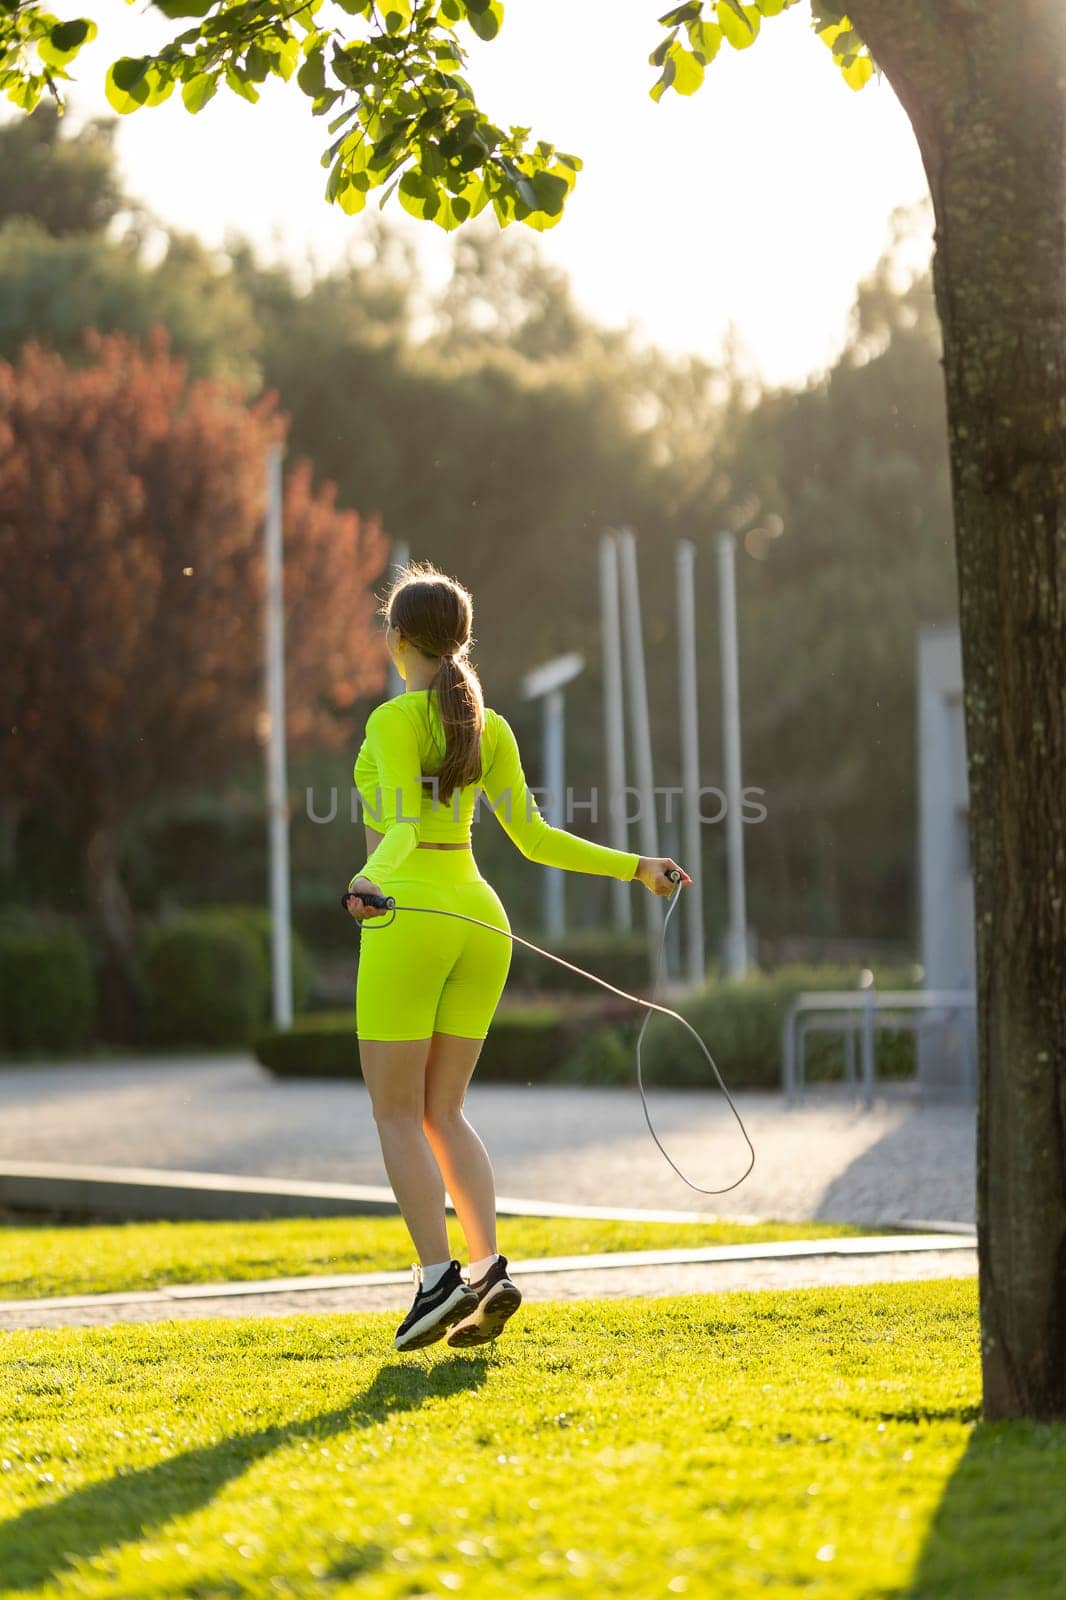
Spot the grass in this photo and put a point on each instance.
(819, 1442)
(104, 1259)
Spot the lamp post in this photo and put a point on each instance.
(546, 683)
(277, 783)
(736, 944)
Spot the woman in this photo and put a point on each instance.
(428, 986)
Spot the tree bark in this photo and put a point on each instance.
(120, 1009)
(984, 85)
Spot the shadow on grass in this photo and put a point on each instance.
(36, 1546)
(999, 1532)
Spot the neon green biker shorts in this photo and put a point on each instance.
(419, 975)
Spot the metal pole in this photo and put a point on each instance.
(555, 780)
(277, 784)
(401, 554)
(633, 641)
(695, 963)
(736, 951)
(614, 724)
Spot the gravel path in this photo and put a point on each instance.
(826, 1160)
(718, 1277)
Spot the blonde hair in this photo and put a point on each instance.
(436, 612)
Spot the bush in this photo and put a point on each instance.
(740, 1022)
(621, 959)
(47, 988)
(525, 1043)
(322, 1044)
(257, 922)
(566, 1042)
(204, 981)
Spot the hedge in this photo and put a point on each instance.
(258, 922)
(621, 959)
(203, 982)
(47, 986)
(740, 1021)
(563, 1042)
(521, 1043)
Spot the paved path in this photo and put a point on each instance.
(827, 1160)
(801, 1264)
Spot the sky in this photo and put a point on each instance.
(755, 205)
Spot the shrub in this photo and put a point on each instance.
(621, 959)
(258, 923)
(740, 1021)
(204, 981)
(322, 1044)
(47, 988)
(524, 1043)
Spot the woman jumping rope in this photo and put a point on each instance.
(427, 987)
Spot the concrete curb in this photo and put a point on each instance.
(171, 1195)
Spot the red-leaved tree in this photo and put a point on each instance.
(132, 581)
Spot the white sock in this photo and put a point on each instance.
(432, 1274)
(478, 1269)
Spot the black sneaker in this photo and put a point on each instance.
(497, 1299)
(434, 1310)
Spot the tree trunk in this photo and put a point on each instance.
(984, 84)
(120, 1009)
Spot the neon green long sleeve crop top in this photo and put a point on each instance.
(403, 739)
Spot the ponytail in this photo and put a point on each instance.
(461, 706)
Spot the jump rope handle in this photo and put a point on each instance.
(674, 875)
(379, 902)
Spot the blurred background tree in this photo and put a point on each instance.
(132, 595)
(497, 428)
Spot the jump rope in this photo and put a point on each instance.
(387, 903)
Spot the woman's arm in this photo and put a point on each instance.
(396, 807)
(516, 810)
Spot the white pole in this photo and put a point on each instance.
(555, 780)
(690, 760)
(736, 950)
(277, 784)
(401, 554)
(633, 642)
(614, 724)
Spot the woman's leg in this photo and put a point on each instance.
(395, 1074)
(461, 1156)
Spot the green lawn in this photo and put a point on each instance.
(814, 1442)
(110, 1257)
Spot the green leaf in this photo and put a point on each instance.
(183, 8)
(689, 71)
(669, 72)
(240, 84)
(124, 83)
(196, 92)
(65, 40)
(488, 22)
(257, 63)
(312, 75)
(739, 23)
(686, 13)
(705, 39)
(418, 195)
(397, 15)
(661, 51)
(859, 73)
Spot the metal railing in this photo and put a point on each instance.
(859, 1012)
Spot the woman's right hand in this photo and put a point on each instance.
(352, 900)
(651, 872)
